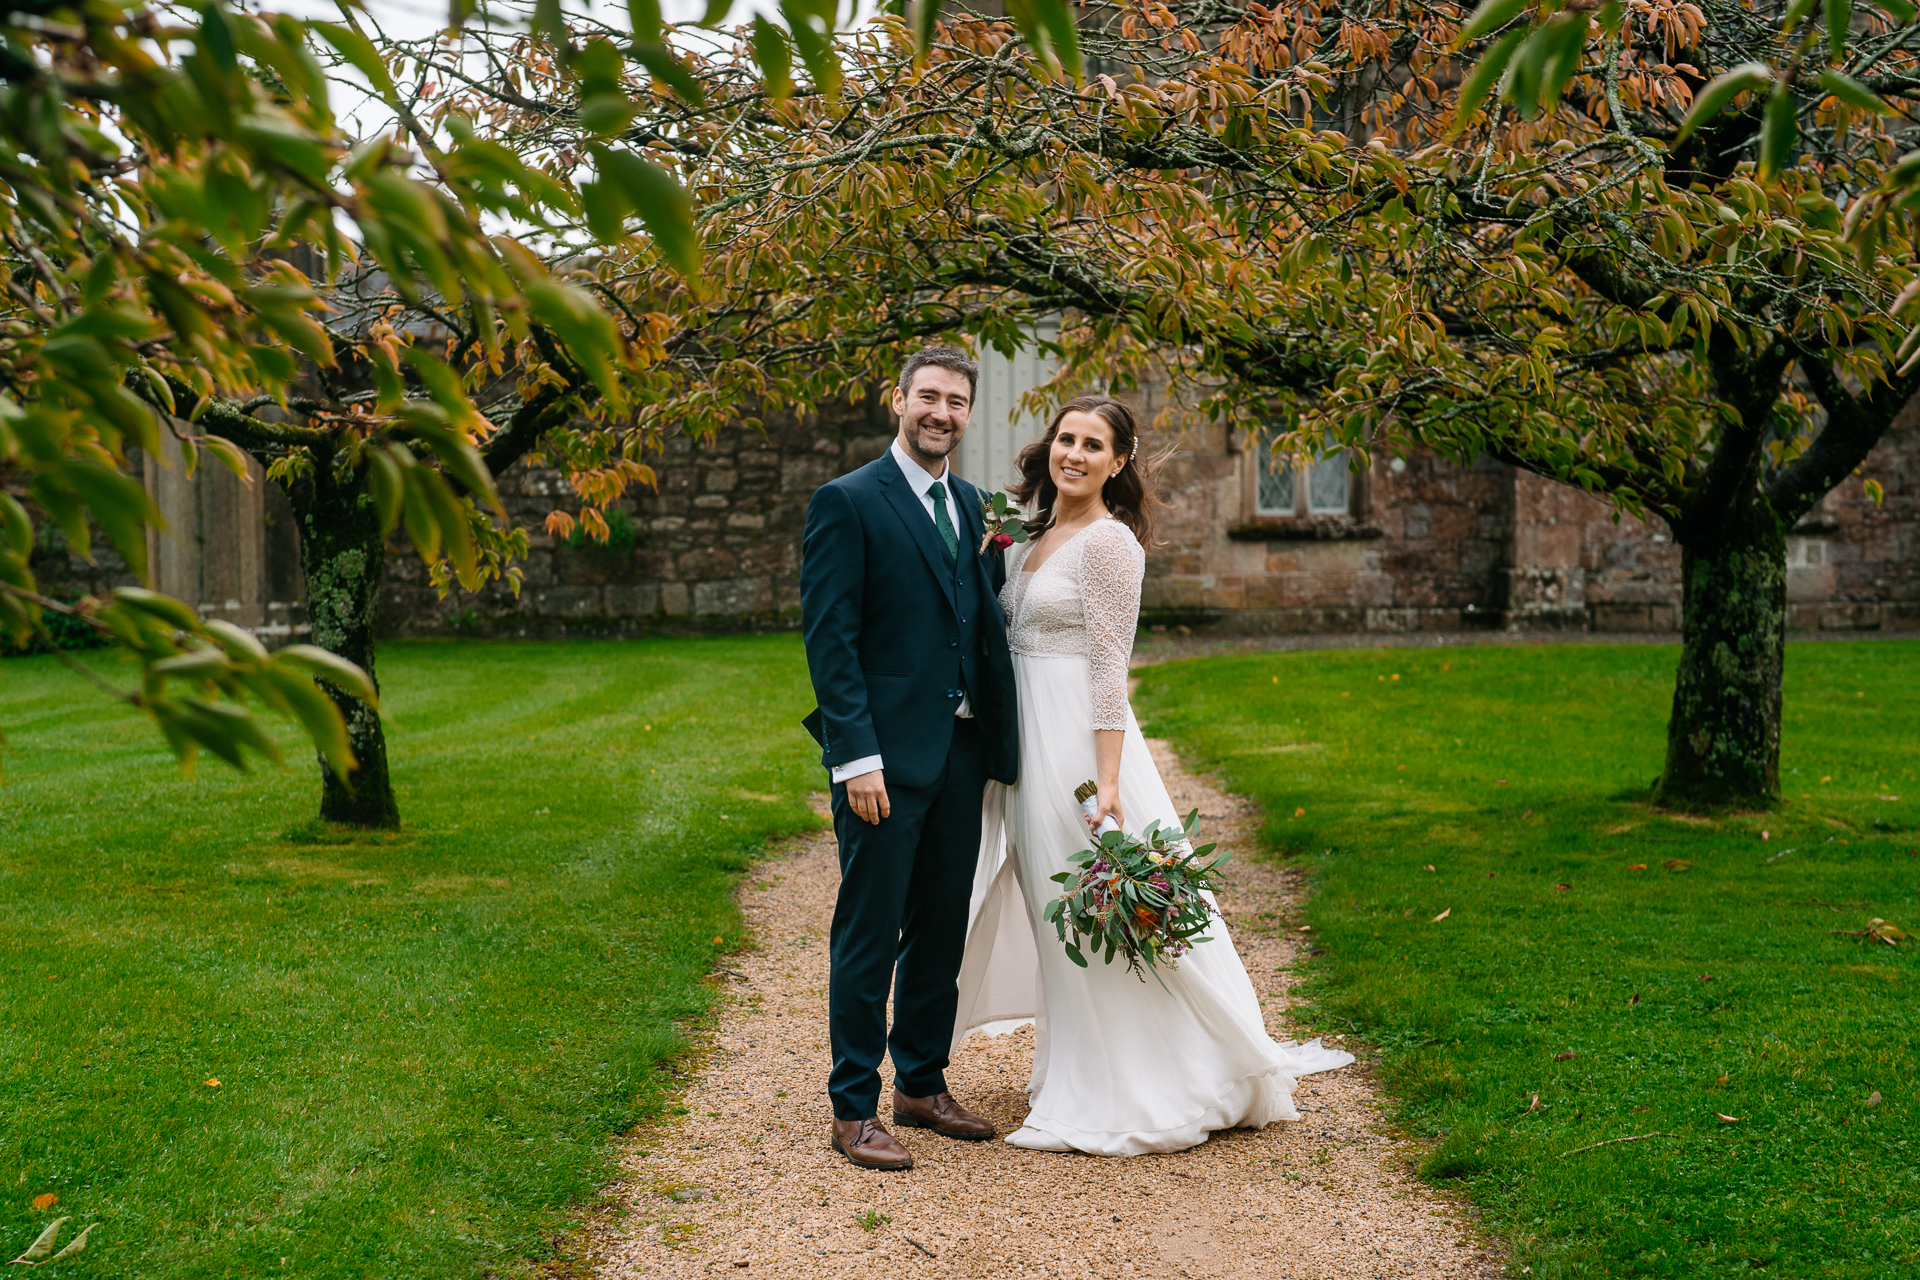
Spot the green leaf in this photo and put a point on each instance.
(331, 667)
(1486, 73)
(319, 715)
(154, 605)
(659, 60)
(662, 203)
(816, 47)
(925, 14)
(1073, 954)
(1063, 34)
(606, 208)
(1839, 27)
(1903, 11)
(388, 485)
(120, 506)
(1489, 17)
(645, 17)
(1852, 92)
(1779, 130)
(15, 527)
(1720, 91)
(774, 56)
(359, 51)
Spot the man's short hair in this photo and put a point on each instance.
(950, 358)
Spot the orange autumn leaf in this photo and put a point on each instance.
(45, 1200)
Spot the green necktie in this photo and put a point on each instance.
(938, 492)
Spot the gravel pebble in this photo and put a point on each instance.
(745, 1184)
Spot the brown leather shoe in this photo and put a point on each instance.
(867, 1146)
(941, 1114)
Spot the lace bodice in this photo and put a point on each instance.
(1083, 601)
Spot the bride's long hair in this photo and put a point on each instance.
(1128, 493)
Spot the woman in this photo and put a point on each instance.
(1121, 1067)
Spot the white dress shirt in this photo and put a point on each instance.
(919, 480)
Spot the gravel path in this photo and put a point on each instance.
(744, 1183)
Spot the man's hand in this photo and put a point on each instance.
(868, 796)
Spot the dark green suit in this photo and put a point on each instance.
(896, 635)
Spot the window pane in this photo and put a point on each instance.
(1273, 491)
(1327, 484)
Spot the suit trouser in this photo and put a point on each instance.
(901, 920)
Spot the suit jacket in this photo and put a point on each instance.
(894, 636)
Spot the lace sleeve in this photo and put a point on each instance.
(1111, 566)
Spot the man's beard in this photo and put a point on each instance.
(936, 447)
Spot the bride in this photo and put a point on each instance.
(1121, 1067)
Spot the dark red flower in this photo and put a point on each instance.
(1003, 540)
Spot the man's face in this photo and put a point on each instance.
(933, 414)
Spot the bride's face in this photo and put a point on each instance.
(1082, 459)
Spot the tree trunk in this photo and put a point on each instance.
(1723, 742)
(343, 554)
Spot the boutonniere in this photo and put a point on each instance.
(1004, 523)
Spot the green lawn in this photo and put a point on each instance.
(423, 1042)
(1629, 1001)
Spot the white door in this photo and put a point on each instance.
(997, 432)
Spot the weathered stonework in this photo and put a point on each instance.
(715, 548)
(1428, 545)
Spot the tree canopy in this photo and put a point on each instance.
(1553, 236)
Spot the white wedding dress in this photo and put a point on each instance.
(1121, 1067)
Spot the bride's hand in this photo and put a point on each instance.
(1106, 805)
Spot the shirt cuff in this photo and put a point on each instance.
(854, 768)
(965, 710)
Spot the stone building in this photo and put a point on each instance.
(1412, 543)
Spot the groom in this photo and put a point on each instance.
(908, 653)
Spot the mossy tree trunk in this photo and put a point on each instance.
(343, 553)
(1723, 741)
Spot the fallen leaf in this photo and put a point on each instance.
(1562, 1057)
(1401, 766)
(1563, 886)
(1729, 1119)
(1721, 1080)
(1676, 864)
(1637, 1110)
(1634, 998)
(1764, 835)
(1636, 866)
(1502, 782)
(212, 1082)
(717, 941)
(45, 1200)
(1527, 814)
(1489, 875)
(1533, 1106)
(1299, 813)
(1443, 915)
(1874, 1099)
(1306, 928)
(1428, 867)
(1889, 797)
(1706, 977)
(1828, 778)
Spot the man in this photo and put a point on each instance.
(908, 653)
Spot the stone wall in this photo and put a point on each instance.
(1429, 545)
(715, 548)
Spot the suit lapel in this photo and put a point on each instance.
(907, 506)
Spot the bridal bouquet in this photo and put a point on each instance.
(1137, 896)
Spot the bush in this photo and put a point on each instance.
(65, 633)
